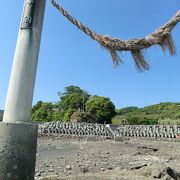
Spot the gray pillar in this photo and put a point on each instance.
(18, 138)
(21, 86)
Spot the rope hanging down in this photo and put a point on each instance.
(161, 37)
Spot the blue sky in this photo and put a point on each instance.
(69, 57)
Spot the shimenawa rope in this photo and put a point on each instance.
(161, 37)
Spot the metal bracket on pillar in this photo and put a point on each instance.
(28, 14)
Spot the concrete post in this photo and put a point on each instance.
(18, 137)
(17, 151)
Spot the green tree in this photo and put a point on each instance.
(102, 108)
(82, 117)
(1, 114)
(42, 112)
(73, 98)
(68, 114)
(36, 106)
(58, 115)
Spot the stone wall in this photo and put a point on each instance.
(157, 131)
(78, 129)
(85, 129)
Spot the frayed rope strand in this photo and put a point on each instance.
(160, 37)
(139, 60)
(168, 44)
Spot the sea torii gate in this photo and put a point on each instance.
(18, 137)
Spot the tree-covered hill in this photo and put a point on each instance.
(78, 105)
(163, 113)
(75, 105)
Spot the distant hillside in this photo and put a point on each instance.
(165, 113)
(1, 114)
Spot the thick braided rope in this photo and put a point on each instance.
(74, 21)
(161, 37)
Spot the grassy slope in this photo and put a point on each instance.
(164, 113)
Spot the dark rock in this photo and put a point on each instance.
(156, 174)
(102, 169)
(38, 175)
(173, 173)
(84, 169)
(138, 166)
(109, 168)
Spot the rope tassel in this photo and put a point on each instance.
(116, 59)
(139, 60)
(161, 36)
(168, 44)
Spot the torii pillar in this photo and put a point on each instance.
(18, 137)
